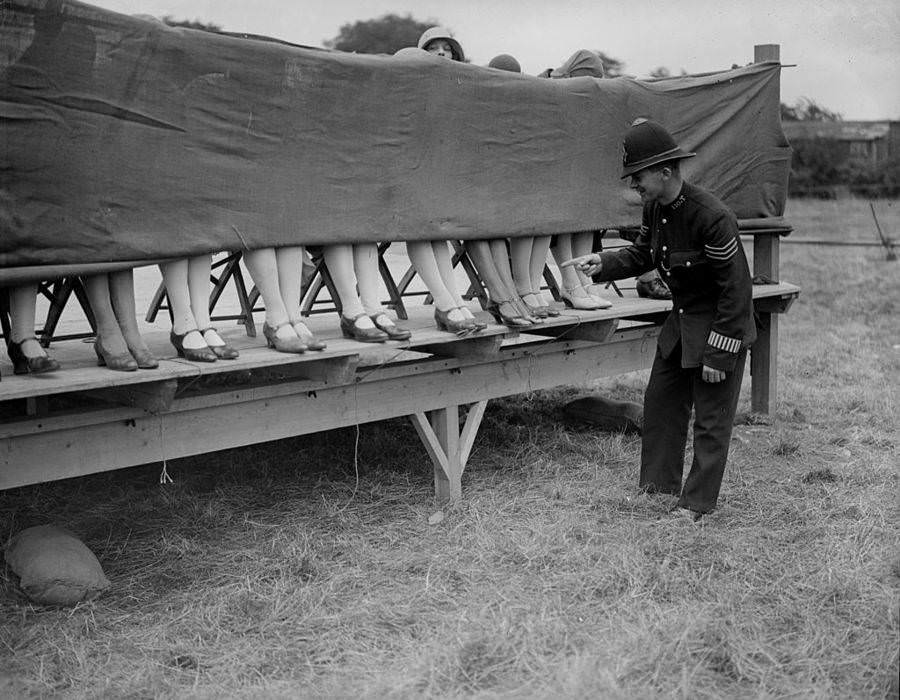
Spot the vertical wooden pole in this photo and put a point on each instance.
(764, 365)
(764, 352)
(766, 262)
(766, 52)
(447, 446)
(447, 478)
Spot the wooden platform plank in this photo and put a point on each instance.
(153, 397)
(475, 347)
(80, 373)
(597, 331)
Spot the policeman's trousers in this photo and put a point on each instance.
(671, 394)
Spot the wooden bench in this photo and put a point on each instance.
(87, 419)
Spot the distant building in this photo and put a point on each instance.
(871, 142)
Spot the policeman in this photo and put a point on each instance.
(692, 239)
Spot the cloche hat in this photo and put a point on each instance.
(505, 62)
(580, 64)
(646, 144)
(434, 33)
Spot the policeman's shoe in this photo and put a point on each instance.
(653, 289)
(679, 514)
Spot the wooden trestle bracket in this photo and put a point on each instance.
(448, 448)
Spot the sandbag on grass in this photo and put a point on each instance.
(607, 414)
(54, 567)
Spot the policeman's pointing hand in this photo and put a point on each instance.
(589, 264)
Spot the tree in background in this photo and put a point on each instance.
(807, 110)
(384, 35)
(822, 167)
(612, 67)
(192, 24)
(663, 72)
(815, 165)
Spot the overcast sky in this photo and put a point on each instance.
(847, 51)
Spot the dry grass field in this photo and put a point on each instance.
(308, 568)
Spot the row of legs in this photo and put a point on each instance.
(111, 297)
(512, 276)
(276, 273)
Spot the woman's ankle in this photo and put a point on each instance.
(360, 321)
(212, 338)
(30, 347)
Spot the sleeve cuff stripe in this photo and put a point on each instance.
(723, 342)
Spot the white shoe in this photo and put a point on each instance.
(583, 301)
(601, 302)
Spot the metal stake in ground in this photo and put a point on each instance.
(886, 242)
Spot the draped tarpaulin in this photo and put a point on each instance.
(122, 139)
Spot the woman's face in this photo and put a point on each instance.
(440, 47)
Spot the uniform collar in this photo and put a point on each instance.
(678, 201)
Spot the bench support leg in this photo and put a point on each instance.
(448, 447)
(764, 352)
(764, 365)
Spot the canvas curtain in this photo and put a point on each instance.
(124, 141)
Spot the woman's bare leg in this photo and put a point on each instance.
(175, 277)
(368, 279)
(500, 255)
(199, 271)
(121, 296)
(520, 250)
(539, 250)
(422, 256)
(480, 253)
(22, 302)
(365, 263)
(289, 262)
(444, 259)
(424, 259)
(263, 267)
(562, 251)
(340, 262)
(521, 253)
(583, 244)
(109, 335)
(574, 290)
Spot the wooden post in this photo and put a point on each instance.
(439, 432)
(766, 262)
(766, 52)
(448, 447)
(764, 365)
(764, 352)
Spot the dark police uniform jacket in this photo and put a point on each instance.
(695, 245)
